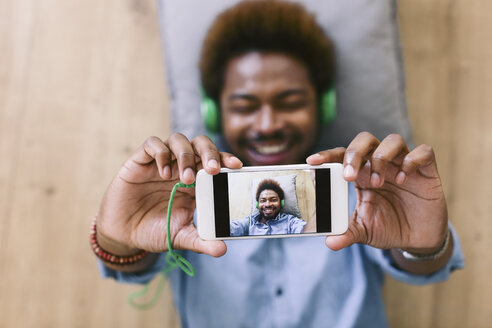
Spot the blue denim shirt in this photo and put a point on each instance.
(283, 224)
(286, 282)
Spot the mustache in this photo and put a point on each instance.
(278, 135)
(260, 137)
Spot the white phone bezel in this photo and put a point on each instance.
(205, 200)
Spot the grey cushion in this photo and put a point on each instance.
(369, 79)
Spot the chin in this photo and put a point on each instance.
(270, 217)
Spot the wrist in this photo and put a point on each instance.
(426, 264)
(113, 253)
(109, 244)
(429, 254)
(113, 246)
(424, 254)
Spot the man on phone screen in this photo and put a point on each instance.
(267, 67)
(268, 220)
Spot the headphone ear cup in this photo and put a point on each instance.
(257, 204)
(328, 103)
(210, 114)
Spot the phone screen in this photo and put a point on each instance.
(272, 202)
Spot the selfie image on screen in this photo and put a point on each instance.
(284, 202)
(274, 203)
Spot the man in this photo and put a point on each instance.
(268, 220)
(266, 64)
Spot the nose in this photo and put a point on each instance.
(267, 121)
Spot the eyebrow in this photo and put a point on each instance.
(290, 92)
(283, 94)
(235, 96)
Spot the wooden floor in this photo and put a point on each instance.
(82, 84)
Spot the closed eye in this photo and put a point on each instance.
(292, 99)
(242, 103)
(292, 105)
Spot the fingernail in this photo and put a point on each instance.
(401, 177)
(212, 163)
(188, 174)
(348, 171)
(234, 158)
(375, 179)
(313, 157)
(166, 171)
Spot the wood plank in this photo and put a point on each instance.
(449, 78)
(82, 87)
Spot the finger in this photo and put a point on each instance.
(390, 149)
(208, 153)
(188, 238)
(334, 155)
(421, 158)
(154, 149)
(359, 150)
(230, 161)
(185, 157)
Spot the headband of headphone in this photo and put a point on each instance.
(211, 112)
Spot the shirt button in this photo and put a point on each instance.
(279, 291)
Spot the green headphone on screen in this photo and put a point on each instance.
(282, 203)
(210, 110)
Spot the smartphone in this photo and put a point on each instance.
(272, 201)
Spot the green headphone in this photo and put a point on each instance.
(210, 110)
(282, 203)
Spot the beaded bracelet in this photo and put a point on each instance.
(111, 258)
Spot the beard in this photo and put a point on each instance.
(272, 212)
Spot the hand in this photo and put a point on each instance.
(134, 208)
(400, 200)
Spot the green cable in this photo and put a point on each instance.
(173, 260)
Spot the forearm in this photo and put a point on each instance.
(424, 266)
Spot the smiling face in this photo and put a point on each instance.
(268, 204)
(268, 108)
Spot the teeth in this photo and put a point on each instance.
(271, 149)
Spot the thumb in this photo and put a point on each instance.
(339, 242)
(187, 238)
(351, 236)
(215, 248)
